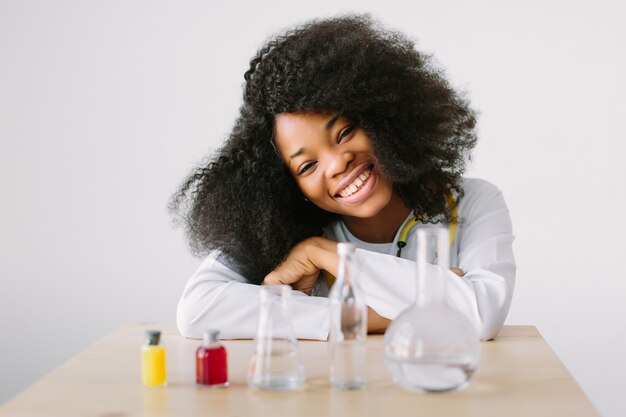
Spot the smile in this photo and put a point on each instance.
(357, 184)
(359, 188)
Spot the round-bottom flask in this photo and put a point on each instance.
(431, 346)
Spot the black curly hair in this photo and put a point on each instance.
(246, 203)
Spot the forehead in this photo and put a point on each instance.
(295, 129)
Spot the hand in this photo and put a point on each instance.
(303, 264)
(457, 271)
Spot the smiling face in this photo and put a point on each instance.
(332, 162)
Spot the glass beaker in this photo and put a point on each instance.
(275, 364)
(431, 346)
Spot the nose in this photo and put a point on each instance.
(338, 162)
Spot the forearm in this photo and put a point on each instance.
(218, 297)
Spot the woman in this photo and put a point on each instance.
(346, 133)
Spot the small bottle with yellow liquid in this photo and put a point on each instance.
(153, 361)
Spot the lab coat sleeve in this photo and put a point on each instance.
(217, 297)
(483, 294)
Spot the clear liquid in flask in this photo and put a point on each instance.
(347, 370)
(422, 375)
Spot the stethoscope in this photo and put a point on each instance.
(408, 226)
(406, 229)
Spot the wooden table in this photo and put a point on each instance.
(518, 376)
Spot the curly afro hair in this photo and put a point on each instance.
(246, 203)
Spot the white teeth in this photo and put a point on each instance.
(356, 184)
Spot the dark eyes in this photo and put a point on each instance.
(344, 133)
(306, 167)
(340, 139)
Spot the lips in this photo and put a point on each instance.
(351, 179)
(357, 186)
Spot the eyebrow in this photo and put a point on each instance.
(329, 125)
(331, 122)
(296, 153)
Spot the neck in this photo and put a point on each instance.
(383, 226)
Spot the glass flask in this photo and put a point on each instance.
(275, 364)
(431, 346)
(348, 325)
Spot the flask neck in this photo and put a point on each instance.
(433, 260)
(344, 269)
(275, 313)
(348, 311)
(431, 285)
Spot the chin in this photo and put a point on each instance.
(367, 210)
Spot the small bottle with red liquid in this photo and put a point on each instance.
(211, 361)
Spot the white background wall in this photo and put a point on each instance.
(106, 105)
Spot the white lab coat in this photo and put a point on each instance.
(219, 297)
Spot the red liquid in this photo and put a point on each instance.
(211, 365)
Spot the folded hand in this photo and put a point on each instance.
(302, 266)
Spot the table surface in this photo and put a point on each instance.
(518, 376)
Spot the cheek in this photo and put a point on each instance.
(312, 189)
(384, 192)
(387, 187)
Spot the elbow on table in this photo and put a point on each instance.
(489, 329)
(492, 307)
(185, 322)
(486, 333)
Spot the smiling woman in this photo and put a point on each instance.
(346, 133)
(334, 166)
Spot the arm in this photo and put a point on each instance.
(218, 297)
(485, 253)
(485, 261)
(302, 266)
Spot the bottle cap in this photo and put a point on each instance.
(210, 336)
(345, 248)
(153, 337)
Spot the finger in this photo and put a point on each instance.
(303, 290)
(269, 280)
(457, 271)
(273, 278)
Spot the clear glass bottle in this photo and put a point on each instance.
(153, 373)
(348, 325)
(275, 364)
(211, 361)
(431, 346)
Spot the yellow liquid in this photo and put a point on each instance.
(153, 366)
